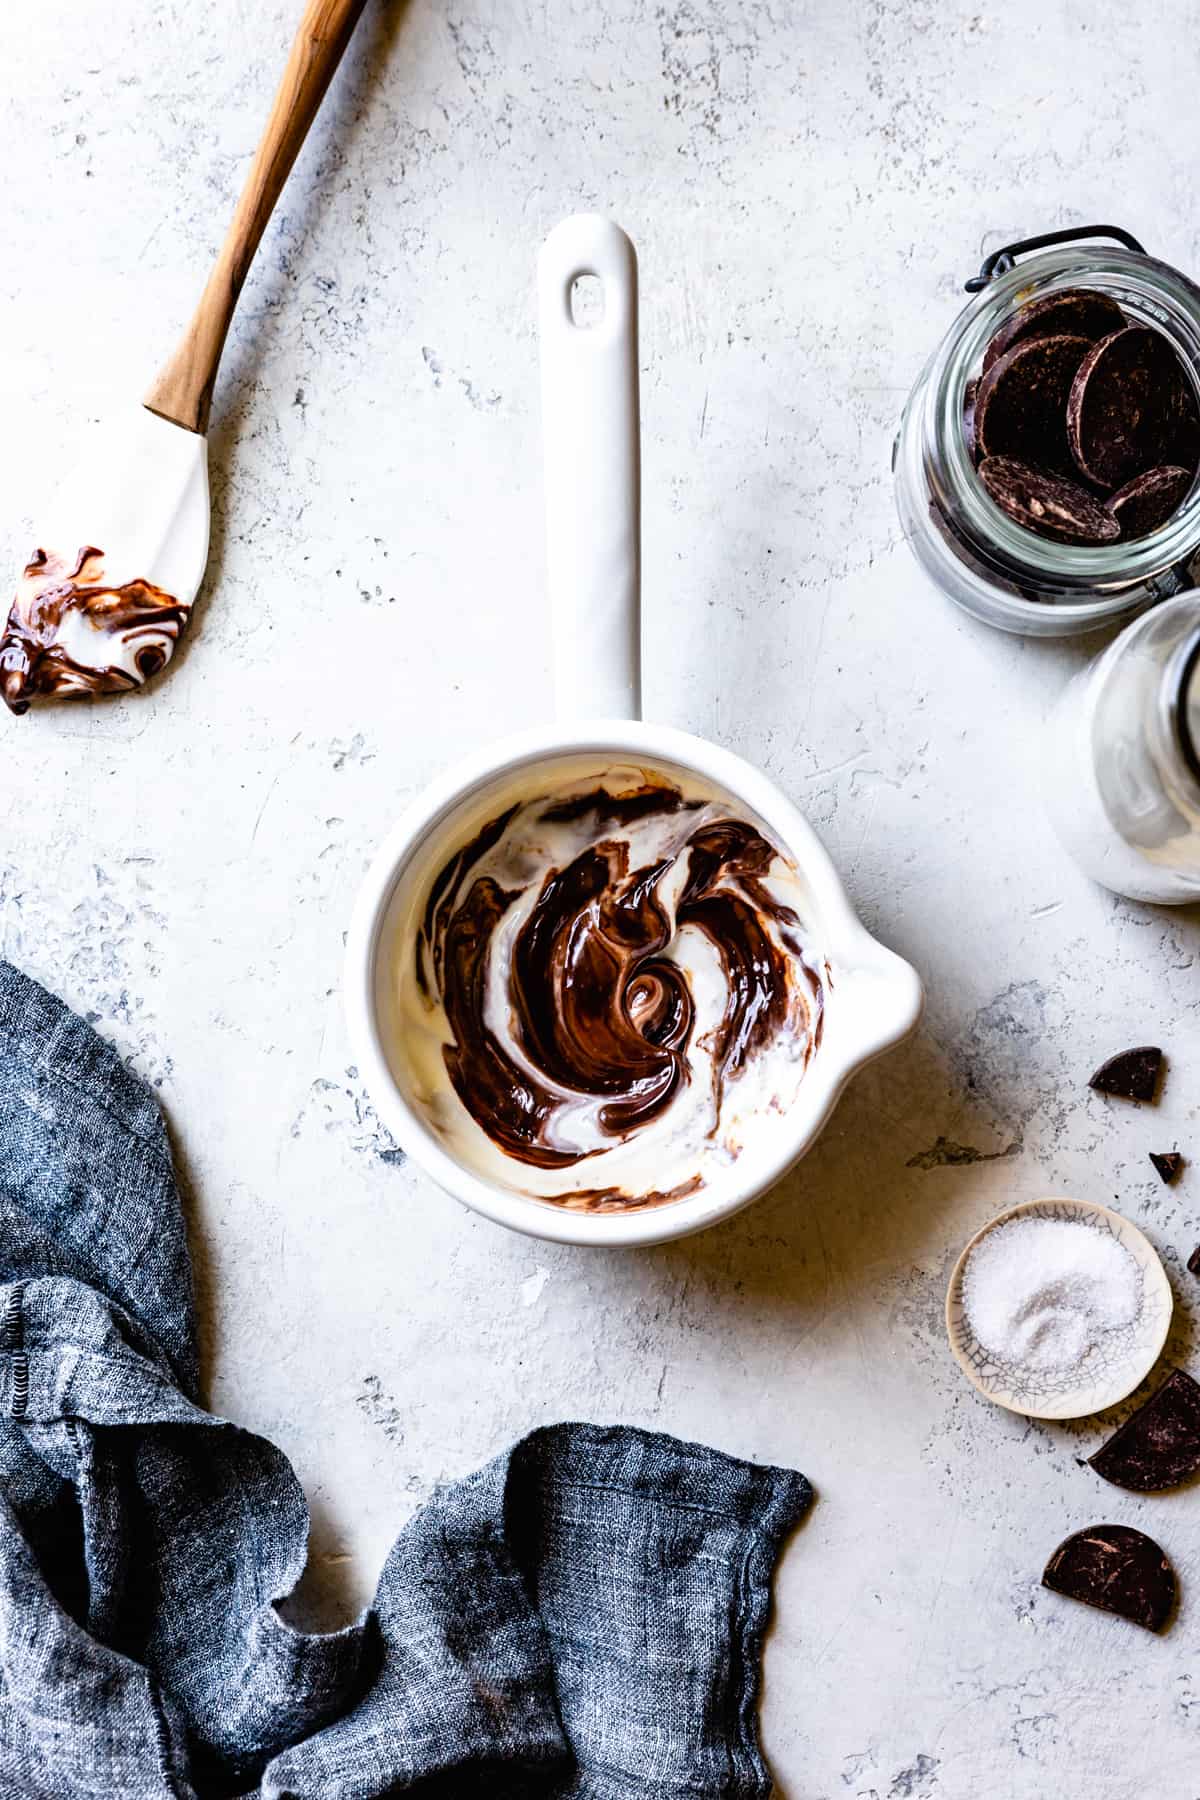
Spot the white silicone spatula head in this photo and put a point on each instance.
(122, 546)
(101, 603)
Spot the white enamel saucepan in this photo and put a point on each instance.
(872, 998)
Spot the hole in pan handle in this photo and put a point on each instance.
(590, 430)
(1001, 261)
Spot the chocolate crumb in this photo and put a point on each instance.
(1127, 400)
(1131, 1074)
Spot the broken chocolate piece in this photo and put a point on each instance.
(1193, 1261)
(1047, 504)
(1169, 1164)
(1127, 400)
(970, 395)
(1148, 501)
(1131, 1075)
(1158, 1446)
(1021, 407)
(1075, 312)
(1118, 1569)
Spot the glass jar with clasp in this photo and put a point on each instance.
(976, 552)
(1122, 777)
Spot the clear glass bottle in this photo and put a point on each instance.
(991, 566)
(1122, 770)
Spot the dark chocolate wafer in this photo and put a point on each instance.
(1127, 404)
(1158, 1446)
(1073, 312)
(1048, 504)
(1021, 406)
(1118, 1569)
(1130, 1074)
(1148, 501)
(970, 395)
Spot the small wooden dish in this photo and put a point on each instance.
(1101, 1381)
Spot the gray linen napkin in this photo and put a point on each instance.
(582, 1617)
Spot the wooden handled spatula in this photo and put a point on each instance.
(103, 601)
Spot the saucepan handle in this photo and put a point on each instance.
(593, 475)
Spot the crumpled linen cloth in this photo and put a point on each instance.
(582, 1617)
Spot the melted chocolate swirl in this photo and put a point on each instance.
(71, 634)
(567, 982)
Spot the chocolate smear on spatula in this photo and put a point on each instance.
(1158, 1446)
(1118, 1569)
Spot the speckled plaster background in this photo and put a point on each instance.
(807, 184)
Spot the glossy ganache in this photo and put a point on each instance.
(561, 943)
(72, 634)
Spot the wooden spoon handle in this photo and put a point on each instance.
(183, 390)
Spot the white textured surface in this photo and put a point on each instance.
(807, 186)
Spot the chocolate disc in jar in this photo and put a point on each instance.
(1047, 504)
(1148, 501)
(1128, 405)
(970, 395)
(1185, 443)
(1021, 406)
(1075, 312)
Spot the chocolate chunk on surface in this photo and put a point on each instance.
(1021, 407)
(1126, 406)
(1118, 1569)
(1193, 1261)
(1075, 312)
(1158, 1446)
(1130, 1075)
(1148, 501)
(1048, 504)
(1169, 1164)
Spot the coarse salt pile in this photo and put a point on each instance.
(1042, 1293)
